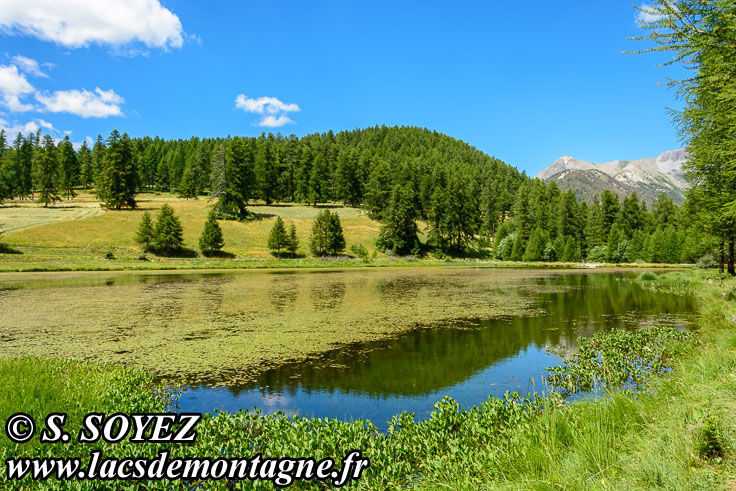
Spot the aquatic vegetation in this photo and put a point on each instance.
(619, 359)
(225, 328)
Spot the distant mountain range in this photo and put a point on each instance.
(648, 177)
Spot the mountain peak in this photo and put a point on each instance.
(648, 176)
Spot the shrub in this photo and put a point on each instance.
(648, 276)
(359, 250)
(710, 441)
(503, 249)
(597, 254)
(707, 261)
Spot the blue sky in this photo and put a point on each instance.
(526, 82)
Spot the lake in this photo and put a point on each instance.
(355, 343)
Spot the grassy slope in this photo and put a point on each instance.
(56, 244)
(77, 234)
(619, 442)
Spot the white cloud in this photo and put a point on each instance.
(76, 23)
(271, 121)
(273, 109)
(264, 104)
(13, 86)
(12, 129)
(648, 14)
(97, 104)
(28, 65)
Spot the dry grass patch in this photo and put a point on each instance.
(116, 229)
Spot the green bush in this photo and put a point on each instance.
(647, 276)
(707, 261)
(597, 254)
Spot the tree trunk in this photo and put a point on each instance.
(720, 257)
(731, 269)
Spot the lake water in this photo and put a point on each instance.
(295, 341)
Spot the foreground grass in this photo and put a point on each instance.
(678, 433)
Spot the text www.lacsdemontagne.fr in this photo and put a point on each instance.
(282, 471)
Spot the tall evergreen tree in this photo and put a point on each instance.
(293, 243)
(84, 156)
(327, 237)
(187, 184)
(168, 233)
(399, 232)
(68, 167)
(145, 236)
(267, 165)
(47, 173)
(118, 179)
(278, 239)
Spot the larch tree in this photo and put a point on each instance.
(118, 180)
(47, 170)
(68, 167)
(278, 239)
(168, 233)
(211, 239)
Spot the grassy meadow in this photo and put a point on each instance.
(45, 238)
(78, 234)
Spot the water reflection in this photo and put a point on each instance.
(282, 292)
(468, 362)
(328, 295)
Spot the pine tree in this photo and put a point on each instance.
(187, 184)
(293, 244)
(231, 204)
(571, 252)
(327, 237)
(211, 239)
(398, 232)
(46, 173)
(69, 167)
(535, 247)
(278, 239)
(319, 181)
(168, 233)
(84, 156)
(145, 235)
(267, 165)
(118, 180)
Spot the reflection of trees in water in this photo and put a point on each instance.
(402, 288)
(327, 295)
(212, 297)
(424, 361)
(283, 292)
(162, 302)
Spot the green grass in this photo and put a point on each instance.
(76, 236)
(662, 437)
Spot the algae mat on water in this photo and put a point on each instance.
(226, 327)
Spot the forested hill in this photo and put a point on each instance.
(358, 167)
(361, 167)
(467, 201)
